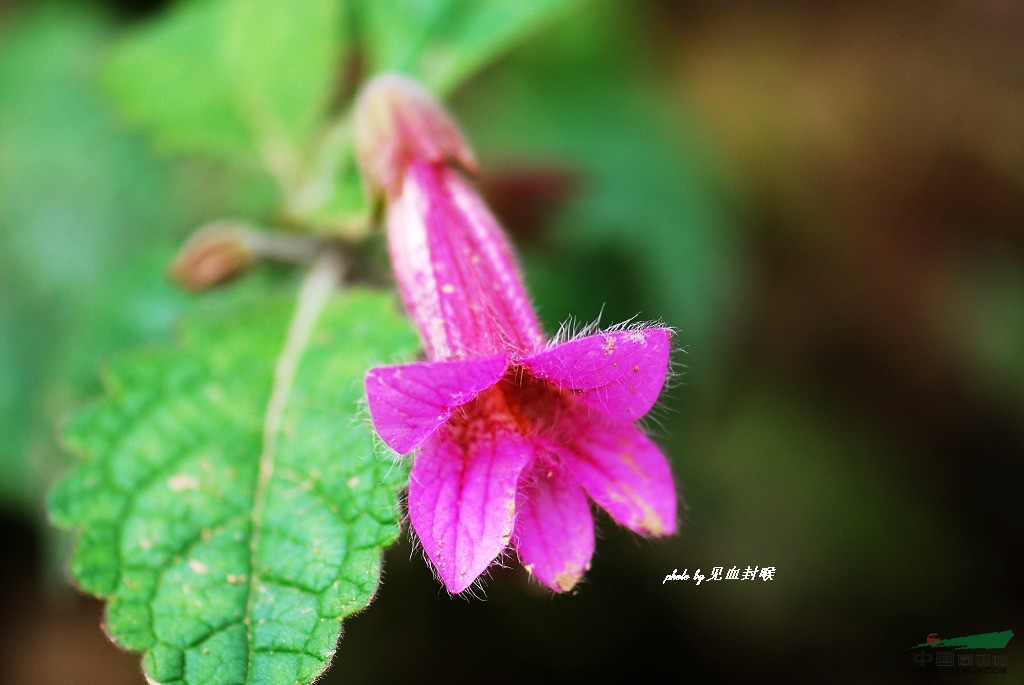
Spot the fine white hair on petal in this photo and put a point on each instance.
(572, 328)
(361, 417)
(476, 590)
(676, 368)
(655, 420)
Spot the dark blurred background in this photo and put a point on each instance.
(825, 199)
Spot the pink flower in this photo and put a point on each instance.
(512, 435)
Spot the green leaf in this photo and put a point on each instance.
(230, 503)
(344, 203)
(232, 77)
(87, 215)
(443, 42)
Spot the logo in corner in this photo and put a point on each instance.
(981, 653)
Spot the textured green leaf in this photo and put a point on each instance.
(233, 517)
(231, 77)
(444, 41)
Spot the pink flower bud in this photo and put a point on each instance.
(212, 256)
(396, 123)
(456, 271)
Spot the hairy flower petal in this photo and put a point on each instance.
(554, 534)
(456, 270)
(621, 470)
(409, 401)
(620, 373)
(462, 493)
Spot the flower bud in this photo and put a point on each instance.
(455, 268)
(213, 255)
(397, 122)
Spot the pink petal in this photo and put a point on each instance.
(408, 402)
(619, 373)
(621, 470)
(456, 270)
(554, 526)
(462, 492)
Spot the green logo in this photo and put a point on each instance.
(980, 641)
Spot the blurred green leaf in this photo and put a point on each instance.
(284, 58)
(984, 319)
(345, 201)
(171, 77)
(232, 517)
(575, 98)
(232, 77)
(87, 219)
(442, 42)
